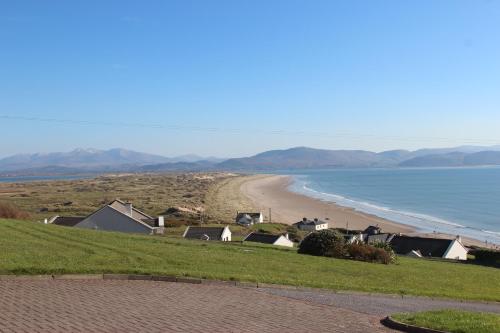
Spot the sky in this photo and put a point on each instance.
(234, 78)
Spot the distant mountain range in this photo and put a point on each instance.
(122, 160)
(307, 158)
(95, 160)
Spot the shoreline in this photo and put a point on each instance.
(271, 191)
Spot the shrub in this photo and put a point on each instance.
(365, 252)
(487, 257)
(294, 234)
(10, 211)
(323, 243)
(387, 247)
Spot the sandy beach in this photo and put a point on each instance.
(271, 192)
(289, 207)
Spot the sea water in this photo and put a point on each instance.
(457, 201)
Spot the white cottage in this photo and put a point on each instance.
(279, 240)
(115, 216)
(311, 225)
(429, 247)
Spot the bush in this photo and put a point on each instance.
(323, 243)
(294, 234)
(10, 211)
(365, 252)
(387, 247)
(487, 257)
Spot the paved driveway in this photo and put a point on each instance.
(380, 305)
(144, 306)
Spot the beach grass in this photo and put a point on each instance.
(33, 248)
(454, 321)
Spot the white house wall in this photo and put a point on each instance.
(456, 251)
(226, 235)
(283, 241)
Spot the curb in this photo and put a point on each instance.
(394, 324)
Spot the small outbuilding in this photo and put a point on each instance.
(222, 234)
(279, 240)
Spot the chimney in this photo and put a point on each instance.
(459, 239)
(304, 219)
(161, 221)
(286, 236)
(128, 208)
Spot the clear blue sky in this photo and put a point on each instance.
(232, 78)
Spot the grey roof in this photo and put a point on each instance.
(310, 222)
(262, 238)
(122, 208)
(379, 238)
(428, 247)
(214, 233)
(68, 221)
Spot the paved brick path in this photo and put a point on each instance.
(380, 305)
(143, 306)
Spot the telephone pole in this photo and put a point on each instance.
(270, 216)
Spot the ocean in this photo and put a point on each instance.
(457, 201)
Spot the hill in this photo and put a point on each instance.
(122, 160)
(80, 158)
(455, 159)
(309, 158)
(32, 248)
(305, 158)
(95, 160)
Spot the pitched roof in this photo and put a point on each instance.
(428, 247)
(261, 238)
(122, 208)
(213, 233)
(379, 238)
(67, 221)
(311, 222)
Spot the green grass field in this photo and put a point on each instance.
(31, 248)
(453, 321)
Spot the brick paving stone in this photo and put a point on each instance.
(147, 306)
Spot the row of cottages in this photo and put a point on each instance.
(249, 219)
(311, 225)
(419, 247)
(116, 216)
(223, 234)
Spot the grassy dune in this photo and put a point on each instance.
(31, 248)
(151, 193)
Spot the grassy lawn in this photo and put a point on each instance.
(454, 321)
(31, 248)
